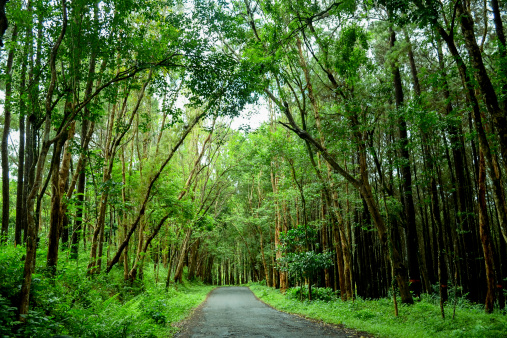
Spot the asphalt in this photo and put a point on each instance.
(236, 312)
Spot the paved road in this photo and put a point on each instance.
(235, 312)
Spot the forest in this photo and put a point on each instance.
(378, 171)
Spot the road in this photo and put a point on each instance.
(236, 312)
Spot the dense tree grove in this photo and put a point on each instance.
(381, 166)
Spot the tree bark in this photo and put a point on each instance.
(54, 223)
(486, 238)
(491, 163)
(20, 195)
(5, 136)
(502, 51)
(178, 275)
(406, 175)
(483, 80)
(193, 259)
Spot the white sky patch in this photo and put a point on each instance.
(252, 116)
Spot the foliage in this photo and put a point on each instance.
(301, 293)
(306, 264)
(295, 259)
(372, 143)
(71, 303)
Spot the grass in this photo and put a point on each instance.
(74, 304)
(422, 319)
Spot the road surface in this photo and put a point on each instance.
(236, 312)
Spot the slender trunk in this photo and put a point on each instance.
(178, 275)
(29, 173)
(54, 227)
(486, 238)
(95, 263)
(64, 220)
(264, 265)
(193, 260)
(21, 196)
(463, 190)
(492, 165)
(78, 222)
(406, 176)
(143, 248)
(170, 264)
(502, 50)
(5, 143)
(340, 263)
(81, 178)
(483, 80)
(274, 184)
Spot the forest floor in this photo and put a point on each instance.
(423, 319)
(235, 311)
(73, 304)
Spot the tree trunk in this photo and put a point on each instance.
(5, 143)
(406, 176)
(486, 238)
(484, 82)
(54, 230)
(95, 263)
(469, 264)
(282, 274)
(143, 248)
(20, 195)
(178, 275)
(59, 178)
(340, 263)
(502, 51)
(193, 259)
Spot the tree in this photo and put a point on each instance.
(304, 264)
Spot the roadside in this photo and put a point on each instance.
(76, 305)
(377, 316)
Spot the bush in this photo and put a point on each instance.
(323, 294)
(7, 316)
(75, 304)
(155, 308)
(38, 325)
(11, 271)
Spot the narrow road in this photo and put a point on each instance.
(235, 312)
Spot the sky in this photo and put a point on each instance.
(252, 116)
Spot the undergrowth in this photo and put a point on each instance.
(71, 303)
(423, 319)
(302, 293)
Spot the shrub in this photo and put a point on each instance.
(301, 293)
(7, 316)
(11, 271)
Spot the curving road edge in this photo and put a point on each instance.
(236, 312)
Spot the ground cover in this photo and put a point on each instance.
(74, 304)
(377, 317)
